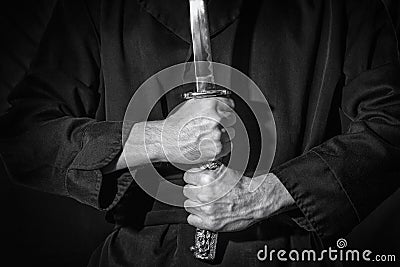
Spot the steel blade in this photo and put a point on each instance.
(201, 45)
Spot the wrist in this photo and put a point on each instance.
(143, 145)
(153, 140)
(273, 195)
(283, 196)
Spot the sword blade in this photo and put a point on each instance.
(201, 45)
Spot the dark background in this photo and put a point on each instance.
(39, 229)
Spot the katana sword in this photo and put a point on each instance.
(205, 243)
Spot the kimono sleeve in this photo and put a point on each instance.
(338, 183)
(50, 139)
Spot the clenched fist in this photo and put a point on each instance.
(223, 200)
(199, 131)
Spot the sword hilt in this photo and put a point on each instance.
(205, 245)
(205, 241)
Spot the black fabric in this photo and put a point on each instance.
(168, 245)
(21, 30)
(325, 67)
(393, 8)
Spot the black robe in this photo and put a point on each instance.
(329, 69)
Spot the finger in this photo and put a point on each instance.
(195, 221)
(225, 103)
(228, 119)
(230, 132)
(191, 175)
(192, 192)
(201, 194)
(204, 177)
(193, 207)
(195, 170)
(190, 204)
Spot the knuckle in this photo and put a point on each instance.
(212, 220)
(203, 197)
(229, 119)
(207, 179)
(217, 134)
(212, 223)
(186, 204)
(208, 225)
(185, 192)
(190, 220)
(204, 180)
(186, 178)
(208, 209)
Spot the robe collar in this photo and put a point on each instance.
(174, 15)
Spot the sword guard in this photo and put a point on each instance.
(206, 94)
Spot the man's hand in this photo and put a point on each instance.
(241, 207)
(199, 131)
